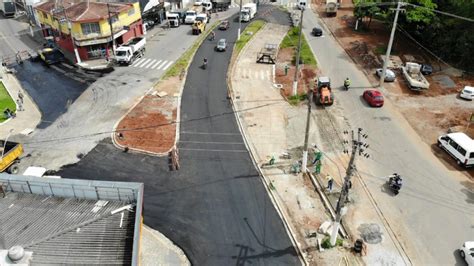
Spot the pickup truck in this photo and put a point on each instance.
(190, 17)
(10, 154)
(127, 53)
(412, 73)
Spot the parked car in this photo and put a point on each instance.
(221, 45)
(467, 252)
(389, 74)
(467, 93)
(224, 25)
(373, 97)
(426, 69)
(317, 32)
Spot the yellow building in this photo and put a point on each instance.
(89, 24)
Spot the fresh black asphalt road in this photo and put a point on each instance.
(215, 207)
(51, 89)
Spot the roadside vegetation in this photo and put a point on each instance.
(182, 63)
(6, 101)
(449, 38)
(291, 41)
(248, 33)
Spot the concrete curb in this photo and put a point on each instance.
(178, 111)
(265, 182)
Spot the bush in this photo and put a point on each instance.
(291, 41)
(296, 99)
(326, 243)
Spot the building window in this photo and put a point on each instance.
(88, 28)
(131, 12)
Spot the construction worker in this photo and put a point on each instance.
(330, 181)
(347, 83)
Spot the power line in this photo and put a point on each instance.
(73, 138)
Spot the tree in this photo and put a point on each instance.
(366, 9)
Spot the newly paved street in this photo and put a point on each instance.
(215, 207)
(435, 207)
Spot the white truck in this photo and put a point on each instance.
(331, 8)
(248, 12)
(190, 17)
(414, 77)
(127, 53)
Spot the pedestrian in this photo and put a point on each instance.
(20, 96)
(272, 160)
(330, 181)
(20, 105)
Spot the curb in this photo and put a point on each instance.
(178, 111)
(265, 182)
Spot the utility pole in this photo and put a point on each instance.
(111, 29)
(343, 197)
(295, 80)
(306, 134)
(240, 21)
(69, 28)
(390, 42)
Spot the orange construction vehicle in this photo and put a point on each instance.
(322, 94)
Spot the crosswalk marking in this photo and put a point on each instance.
(149, 63)
(144, 63)
(156, 64)
(137, 62)
(161, 65)
(168, 65)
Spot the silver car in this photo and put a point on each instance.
(389, 74)
(221, 45)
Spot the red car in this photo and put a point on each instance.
(373, 97)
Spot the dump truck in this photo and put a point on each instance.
(198, 27)
(10, 156)
(322, 93)
(127, 53)
(248, 12)
(220, 5)
(331, 8)
(412, 73)
(50, 55)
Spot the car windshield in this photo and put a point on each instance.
(378, 98)
(121, 53)
(190, 14)
(468, 91)
(200, 19)
(221, 43)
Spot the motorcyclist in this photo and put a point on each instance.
(205, 62)
(213, 35)
(397, 180)
(347, 83)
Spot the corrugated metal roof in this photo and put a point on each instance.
(67, 230)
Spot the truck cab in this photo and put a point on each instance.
(190, 17)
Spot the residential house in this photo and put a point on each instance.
(88, 22)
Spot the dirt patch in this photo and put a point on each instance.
(306, 76)
(151, 125)
(429, 120)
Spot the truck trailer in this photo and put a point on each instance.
(220, 5)
(127, 53)
(414, 77)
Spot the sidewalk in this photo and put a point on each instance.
(272, 130)
(25, 121)
(156, 249)
(273, 127)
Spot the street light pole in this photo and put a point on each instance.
(295, 80)
(389, 48)
(240, 21)
(111, 29)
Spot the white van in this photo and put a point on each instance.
(460, 146)
(302, 4)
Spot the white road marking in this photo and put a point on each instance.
(162, 64)
(168, 65)
(147, 65)
(156, 64)
(144, 63)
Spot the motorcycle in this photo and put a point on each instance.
(204, 65)
(395, 183)
(346, 87)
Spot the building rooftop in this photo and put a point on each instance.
(81, 11)
(69, 230)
